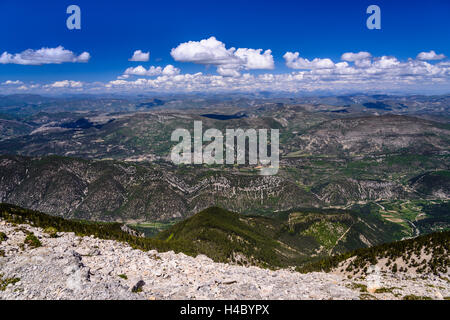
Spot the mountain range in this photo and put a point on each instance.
(355, 171)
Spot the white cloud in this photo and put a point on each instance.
(351, 57)
(430, 56)
(84, 57)
(255, 59)
(138, 55)
(385, 62)
(228, 61)
(228, 71)
(170, 70)
(118, 82)
(12, 82)
(141, 71)
(151, 71)
(42, 56)
(360, 71)
(356, 71)
(207, 51)
(66, 84)
(294, 61)
(361, 59)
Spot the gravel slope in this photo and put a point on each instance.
(72, 267)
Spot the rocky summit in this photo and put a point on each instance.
(38, 264)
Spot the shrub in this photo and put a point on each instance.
(414, 297)
(394, 268)
(138, 287)
(385, 290)
(5, 282)
(51, 231)
(3, 237)
(32, 241)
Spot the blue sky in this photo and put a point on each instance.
(112, 30)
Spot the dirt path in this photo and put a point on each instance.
(340, 238)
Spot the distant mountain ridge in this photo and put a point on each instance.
(118, 191)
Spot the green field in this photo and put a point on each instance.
(151, 229)
(414, 216)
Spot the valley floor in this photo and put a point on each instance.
(72, 267)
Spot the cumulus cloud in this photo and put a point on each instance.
(294, 61)
(384, 62)
(42, 56)
(228, 61)
(12, 82)
(362, 67)
(228, 71)
(207, 51)
(138, 55)
(361, 59)
(170, 70)
(430, 56)
(253, 59)
(141, 71)
(350, 56)
(65, 84)
(151, 71)
(355, 71)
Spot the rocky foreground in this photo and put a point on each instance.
(65, 266)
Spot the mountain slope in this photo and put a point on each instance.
(424, 254)
(68, 266)
(289, 239)
(285, 239)
(121, 191)
(375, 135)
(433, 184)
